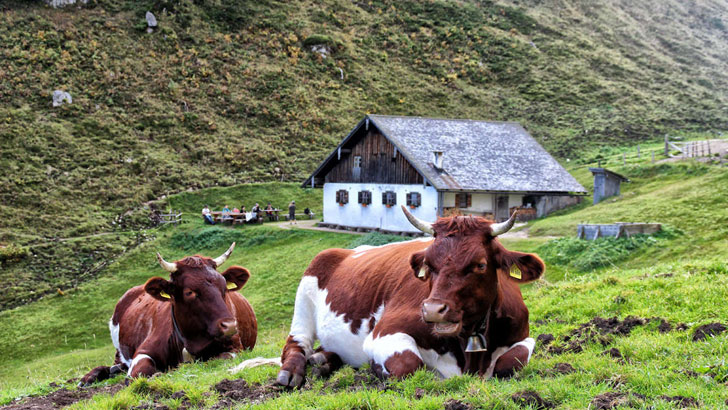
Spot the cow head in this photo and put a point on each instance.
(197, 294)
(463, 267)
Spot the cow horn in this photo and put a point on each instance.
(169, 267)
(423, 226)
(222, 258)
(503, 227)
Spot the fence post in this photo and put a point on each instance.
(667, 151)
(709, 154)
(653, 157)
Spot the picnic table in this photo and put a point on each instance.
(243, 217)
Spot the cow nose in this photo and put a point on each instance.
(434, 311)
(228, 327)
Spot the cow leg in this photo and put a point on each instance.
(325, 362)
(299, 344)
(101, 373)
(394, 355)
(142, 365)
(513, 359)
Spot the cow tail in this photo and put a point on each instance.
(255, 362)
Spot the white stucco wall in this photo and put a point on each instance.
(481, 203)
(377, 215)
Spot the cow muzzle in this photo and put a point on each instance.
(438, 313)
(227, 328)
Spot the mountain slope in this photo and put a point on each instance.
(231, 92)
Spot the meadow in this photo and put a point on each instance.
(620, 332)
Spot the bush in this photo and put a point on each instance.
(587, 255)
(374, 239)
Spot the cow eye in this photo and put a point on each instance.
(189, 294)
(481, 266)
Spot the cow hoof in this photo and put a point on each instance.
(284, 379)
(317, 359)
(321, 372)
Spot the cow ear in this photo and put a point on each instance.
(236, 277)
(160, 288)
(419, 268)
(522, 267)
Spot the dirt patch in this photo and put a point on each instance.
(705, 331)
(453, 404)
(239, 390)
(531, 398)
(611, 400)
(602, 331)
(564, 368)
(545, 338)
(363, 379)
(681, 401)
(61, 398)
(613, 352)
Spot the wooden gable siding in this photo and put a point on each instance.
(378, 164)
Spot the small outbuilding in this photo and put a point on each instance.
(438, 167)
(606, 183)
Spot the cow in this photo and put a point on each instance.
(197, 314)
(450, 303)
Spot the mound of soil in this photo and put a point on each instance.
(705, 331)
(61, 398)
(564, 368)
(613, 352)
(611, 400)
(545, 338)
(531, 398)
(681, 401)
(453, 404)
(598, 330)
(239, 390)
(363, 379)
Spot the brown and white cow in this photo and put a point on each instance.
(416, 304)
(198, 314)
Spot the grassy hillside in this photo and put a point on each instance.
(230, 92)
(650, 367)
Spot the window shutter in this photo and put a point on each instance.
(384, 198)
(470, 200)
(338, 197)
(361, 197)
(409, 199)
(416, 199)
(346, 197)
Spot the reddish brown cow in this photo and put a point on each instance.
(198, 314)
(416, 304)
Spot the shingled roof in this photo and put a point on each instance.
(478, 155)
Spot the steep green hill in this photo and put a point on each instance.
(227, 92)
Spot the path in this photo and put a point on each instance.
(311, 224)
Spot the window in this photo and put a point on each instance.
(463, 200)
(365, 197)
(414, 199)
(342, 197)
(389, 198)
(357, 161)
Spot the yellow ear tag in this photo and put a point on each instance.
(164, 295)
(422, 273)
(231, 285)
(515, 272)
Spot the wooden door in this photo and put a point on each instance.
(501, 208)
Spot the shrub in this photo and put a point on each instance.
(374, 239)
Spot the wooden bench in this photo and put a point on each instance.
(302, 215)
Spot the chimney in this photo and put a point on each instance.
(437, 160)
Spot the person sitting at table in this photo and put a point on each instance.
(207, 216)
(226, 213)
(269, 211)
(307, 212)
(236, 211)
(255, 210)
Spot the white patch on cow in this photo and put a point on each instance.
(446, 364)
(313, 318)
(382, 348)
(114, 330)
(138, 358)
(529, 343)
(362, 249)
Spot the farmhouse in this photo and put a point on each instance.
(438, 167)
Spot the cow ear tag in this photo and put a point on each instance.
(231, 285)
(516, 272)
(165, 295)
(422, 273)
